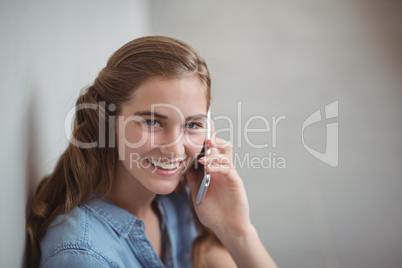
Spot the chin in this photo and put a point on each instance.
(164, 191)
(164, 188)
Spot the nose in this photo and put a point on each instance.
(174, 143)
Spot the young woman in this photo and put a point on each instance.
(123, 192)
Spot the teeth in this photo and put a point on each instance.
(164, 165)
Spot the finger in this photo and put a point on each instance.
(220, 143)
(214, 151)
(224, 146)
(212, 129)
(222, 169)
(220, 159)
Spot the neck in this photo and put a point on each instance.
(130, 194)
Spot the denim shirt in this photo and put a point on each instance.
(101, 234)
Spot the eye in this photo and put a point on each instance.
(193, 125)
(151, 123)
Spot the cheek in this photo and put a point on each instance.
(196, 143)
(132, 135)
(132, 140)
(134, 155)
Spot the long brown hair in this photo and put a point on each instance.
(82, 173)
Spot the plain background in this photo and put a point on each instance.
(273, 58)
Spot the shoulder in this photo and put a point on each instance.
(64, 230)
(76, 238)
(75, 256)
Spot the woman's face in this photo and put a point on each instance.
(161, 130)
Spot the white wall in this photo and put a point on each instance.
(291, 58)
(49, 51)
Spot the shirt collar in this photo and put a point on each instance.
(119, 219)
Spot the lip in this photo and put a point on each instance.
(165, 172)
(167, 161)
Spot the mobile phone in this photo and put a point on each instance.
(202, 190)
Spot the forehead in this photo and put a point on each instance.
(163, 95)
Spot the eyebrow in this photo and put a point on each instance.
(154, 114)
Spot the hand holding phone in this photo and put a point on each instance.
(202, 190)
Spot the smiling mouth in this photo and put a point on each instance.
(165, 165)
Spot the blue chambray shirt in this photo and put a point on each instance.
(101, 234)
